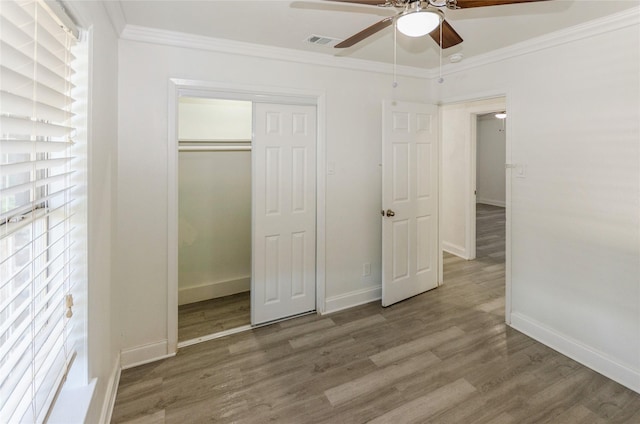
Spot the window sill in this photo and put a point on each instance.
(72, 404)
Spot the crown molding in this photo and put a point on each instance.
(578, 32)
(116, 15)
(178, 39)
(218, 45)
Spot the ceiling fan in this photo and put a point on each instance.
(420, 17)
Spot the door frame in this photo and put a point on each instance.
(212, 89)
(490, 100)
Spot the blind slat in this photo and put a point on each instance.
(27, 323)
(13, 168)
(17, 291)
(28, 146)
(22, 126)
(36, 257)
(37, 237)
(23, 106)
(28, 208)
(19, 188)
(20, 28)
(12, 370)
(22, 63)
(7, 230)
(19, 401)
(21, 85)
(17, 332)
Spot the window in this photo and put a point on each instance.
(36, 206)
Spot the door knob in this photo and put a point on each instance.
(390, 212)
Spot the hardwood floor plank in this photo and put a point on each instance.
(444, 357)
(420, 409)
(339, 331)
(418, 345)
(265, 337)
(213, 316)
(379, 379)
(575, 415)
(155, 418)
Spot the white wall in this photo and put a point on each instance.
(102, 325)
(574, 117)
(214, 119)
(214, 206)
(457, 172)
(214, 228)
(353, 144)
(490, 160)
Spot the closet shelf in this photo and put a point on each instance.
(214, 148)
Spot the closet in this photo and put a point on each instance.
(245, 213)
(214, 215)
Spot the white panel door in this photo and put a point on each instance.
(284, 211)
(409, 200)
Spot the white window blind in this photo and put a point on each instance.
(36, 207)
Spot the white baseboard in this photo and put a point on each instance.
(500, 203)
(351, 299)
(454, 249)
(577, 351)
(213, 290)
(144, 354)
(112, 391)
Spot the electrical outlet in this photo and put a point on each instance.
(366, 270)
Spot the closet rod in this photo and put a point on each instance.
(211, 148)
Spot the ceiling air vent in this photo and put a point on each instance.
(321, 40)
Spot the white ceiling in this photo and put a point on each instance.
(286, 23)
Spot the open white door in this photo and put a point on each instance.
(409, 200)
(284, 211)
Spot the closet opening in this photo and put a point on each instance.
(214, 217)
(281, 146)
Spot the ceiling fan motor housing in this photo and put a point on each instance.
(416, 11)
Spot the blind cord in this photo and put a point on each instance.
(440, 79)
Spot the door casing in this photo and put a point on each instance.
(210, 89)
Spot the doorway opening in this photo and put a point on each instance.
(490, 189)
(475, 232)
(214, 216)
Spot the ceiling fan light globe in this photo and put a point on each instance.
(418, 23)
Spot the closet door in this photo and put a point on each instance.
(284, 211)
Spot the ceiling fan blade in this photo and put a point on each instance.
(450, 37)
(365, 2)
(365, 33)
(465, 4)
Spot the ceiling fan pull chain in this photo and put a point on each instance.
(440, 79)
(395, 54)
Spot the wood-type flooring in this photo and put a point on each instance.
(213, 316)
(445, 356)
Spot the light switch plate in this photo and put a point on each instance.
(521, 170)
(331, 168)
(366, 269)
